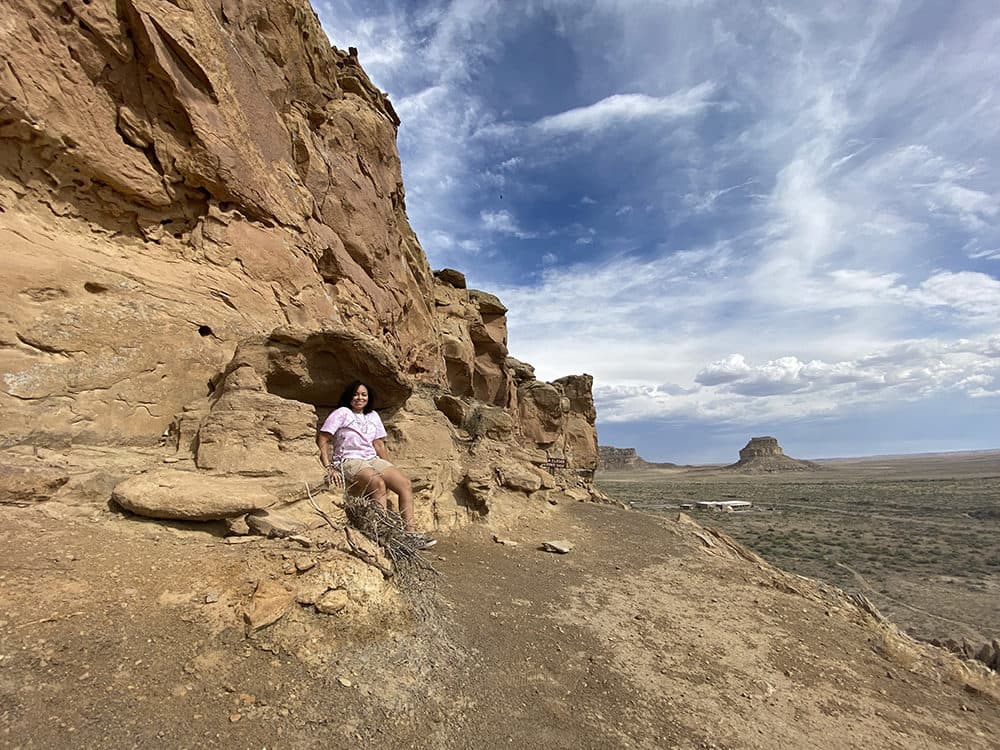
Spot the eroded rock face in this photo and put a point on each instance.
(764, 447)
(203, 228)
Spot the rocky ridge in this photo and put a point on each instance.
(205, 235)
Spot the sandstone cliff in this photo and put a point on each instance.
(204, 234)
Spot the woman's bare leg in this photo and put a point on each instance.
(370, 485)
(398, 482)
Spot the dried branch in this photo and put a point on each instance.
(364, 556)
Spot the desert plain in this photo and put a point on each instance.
(917, 534)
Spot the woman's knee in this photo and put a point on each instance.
(397, 481)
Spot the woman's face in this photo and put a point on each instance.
(360, 399)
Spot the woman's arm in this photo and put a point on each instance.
(324, 440)
(379, 445)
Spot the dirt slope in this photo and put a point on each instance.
(649, 634)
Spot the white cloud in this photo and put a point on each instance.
(969, 294)
(732, 368)
(620, 109)
(736, 391)
(703, 202)
(993, 254)
(503, 221)
(837, 229)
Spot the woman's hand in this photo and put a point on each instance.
(334, 477)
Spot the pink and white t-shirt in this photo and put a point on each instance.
(353, 433)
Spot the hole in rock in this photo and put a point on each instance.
(205, 331)
(94, 288)
(315, 367)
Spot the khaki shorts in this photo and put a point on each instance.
(351, 466)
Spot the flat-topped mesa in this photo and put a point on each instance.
(203, 228)
(619, 459)
(763, 454)
(761, 446)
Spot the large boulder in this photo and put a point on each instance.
(192, 496)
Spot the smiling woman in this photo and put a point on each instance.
(352, 448)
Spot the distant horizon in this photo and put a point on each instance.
(809, 458)
(732, 216)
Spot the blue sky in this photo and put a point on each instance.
(740, 218)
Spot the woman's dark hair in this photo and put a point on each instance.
(351, 389)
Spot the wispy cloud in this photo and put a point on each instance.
(619, 109)
(815, 202)
(503, 222)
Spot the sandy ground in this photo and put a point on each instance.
(121, 633)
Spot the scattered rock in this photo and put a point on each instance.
(505, 542)
(558, 546)
(310, 592)
(269, 604)
(211, 598)
(304, 563)
(332, 602)
(273, 524)
(237, 526)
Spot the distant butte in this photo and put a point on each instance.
(625, 459)
(763, 454)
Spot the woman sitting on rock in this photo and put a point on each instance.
(352, 449)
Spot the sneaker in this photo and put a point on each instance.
(422, 541)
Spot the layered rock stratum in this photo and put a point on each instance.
(763, 454)
(204, 234)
